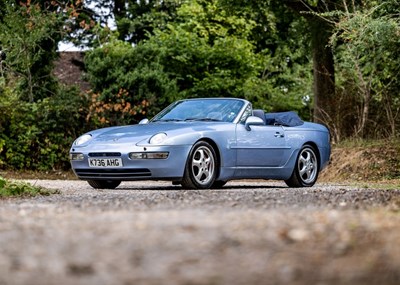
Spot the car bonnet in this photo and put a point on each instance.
(138, 133)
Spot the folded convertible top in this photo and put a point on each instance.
(288, 119)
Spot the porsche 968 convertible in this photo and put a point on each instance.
(202, 144)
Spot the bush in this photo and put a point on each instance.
(37, 136)
(126, 87)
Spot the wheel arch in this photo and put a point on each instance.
(317, 152)
(216, 149)
(187, 179)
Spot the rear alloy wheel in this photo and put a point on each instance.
(104, 184)
(201, 167)
(305, 172)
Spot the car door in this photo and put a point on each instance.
(262, 146)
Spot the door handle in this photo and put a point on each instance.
(279, 135)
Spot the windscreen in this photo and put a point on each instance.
(221, 110)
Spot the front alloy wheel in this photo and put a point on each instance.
(305, 172)
(201, 167)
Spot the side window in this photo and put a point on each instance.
(247, 113)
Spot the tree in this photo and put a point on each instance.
(199, 54)
(126, 85)
(282, 38)
(29, 38)
(323, 59)
(366, 42)
(208, 50)
(39, 117)
(136, 20)
(353, 27)
(213, 48)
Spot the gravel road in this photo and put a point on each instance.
(256, 232)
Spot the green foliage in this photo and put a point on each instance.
(139, 18)
(28, 36)
(367, 43)
(126, 86)
(2, 182)
(207, 66)
(209, 53)
(37, 136)
(39, 118)
(206, 51)
(258, 50)
(14, 189)
(290, 72)
(262, 71)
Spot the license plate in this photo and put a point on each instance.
(105, 162)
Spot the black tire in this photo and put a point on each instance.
(218, 184)
(104, 184)
(201, 167)
(305, 172)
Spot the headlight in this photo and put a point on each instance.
(158, 138)
(83, 139)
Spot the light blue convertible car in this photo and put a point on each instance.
(203, 143)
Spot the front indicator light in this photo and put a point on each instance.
(148, 155)
(76, 156)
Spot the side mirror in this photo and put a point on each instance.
(143, 121)
(253, 121)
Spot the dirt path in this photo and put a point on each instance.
(247, 233)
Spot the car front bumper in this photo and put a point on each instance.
(170, 168)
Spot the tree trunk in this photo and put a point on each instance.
(119, 9)
(324, 73)
(323, 62)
